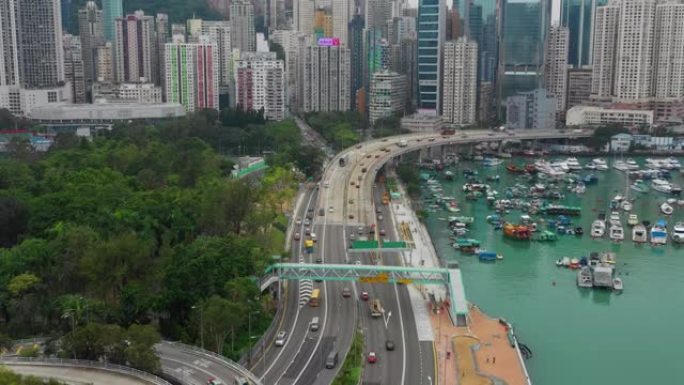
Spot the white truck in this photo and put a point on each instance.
(376, 308)
(402, 143)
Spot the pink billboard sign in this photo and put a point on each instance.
(328, 41)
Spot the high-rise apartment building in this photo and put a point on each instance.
(377, 14)
(9, 65)
(669, 50)
(342, 11)
(459, 82)
(260, 84)
(323, 23)
(605, 41)
(192, 75)
(556, 64)
(243, 34)
(303, 15)
(135, 49)
(387, 95)
(104, 63)
(324, 84)
(404, 61)
(74, 67)
(579, 87)
(430, 42)
(111, 10)
(91, 32)
(356, 56)
(219, 33)
(635, 49)
(162, 29)
(40, 55)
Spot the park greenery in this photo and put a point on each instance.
(7, 377)
(340, 129)
(141, 233)
(350, 372)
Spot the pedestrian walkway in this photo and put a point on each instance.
(421, 314)
(76, 375)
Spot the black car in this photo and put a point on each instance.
(389, 345)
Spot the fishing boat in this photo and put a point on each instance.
(598, 228)
(633, 220)
(584, 277)
(546, 236)
(491, 162)
(515, 169)
(678, 233)
(616, 233)
(601, 164)
(639, 186)
(487, 256)
(617, 284)
(517, 232)
(639, 234)
(666, 209)
(661, 185)
(561, 210)
(659, 233)
(572, 164)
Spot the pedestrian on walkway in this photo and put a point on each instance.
(494, 360)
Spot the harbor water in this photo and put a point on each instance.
(577, 336)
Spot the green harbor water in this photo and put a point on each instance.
(577, 336)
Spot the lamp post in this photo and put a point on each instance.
(201, 325)
(249, 333)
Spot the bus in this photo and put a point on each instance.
(315, 299)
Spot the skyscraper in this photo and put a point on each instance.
(483, 27)
(356, 60)
(387, 95)
(219, 34)
(162, 29)
(325, 79)
(669, 51)
(111, 10)
(578, 16)
(459, 79)
(74, 67)
(430, 41)
(91, 31)
(603, 59)
(135, 51)
(242, 30)
(556, 64)
(39, 42)
(635, 49)
(191, 75)
(341, 12)
(303, 14)
(104, 63)
(260, 84)
(9, 65)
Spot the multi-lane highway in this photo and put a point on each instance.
(345, 203)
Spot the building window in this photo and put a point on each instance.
(52, 97)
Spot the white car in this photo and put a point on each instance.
(280, 338)
(326, 185)
(299, 221)
(331, 209)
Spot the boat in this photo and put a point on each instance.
(590, 179)
(517, 232)
(626, 205)
(661, 185)
(573, 164)
(462, 219)
(491, 162)
(678, 233)
(631, 165)
(448, 175)
(639, 186)
(598, 228)
(561, 210)
(546, 236)
(633, 220)
(666, 209)
(659, 233)
(515, 169)
(617, 284)
(487, 256)
(639, 234)
(616, 233)
(584, 277)
(601, 164)
(620, 165)
(590, 166)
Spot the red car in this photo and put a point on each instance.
(364, 295)
(372, 358)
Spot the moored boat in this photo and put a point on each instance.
(616, 233)
(633, 220)
(617, 284)
(584, 277)
(678, 233)
(661, 185)
(598, 228)
(639, 186)
(600, 164)
(639, 234)
(517, 232)
(666, 209)
(659, 233)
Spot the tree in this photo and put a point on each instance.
(225, 205)
(23, 283)
(140, 351)
(309, 160)
(95, 341)
(13, 221)
(221, 317)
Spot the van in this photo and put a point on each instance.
(321, 212)
(331, 361)
(314, 325)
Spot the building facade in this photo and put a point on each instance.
(9, 57)
(111, 10)
(342, 11)
(387, 95)
(535, 109)
(605, 41)
(599, 116)
(74, 67)
(324, 84)
(303, 15)
(192, 75)
(579, 87)
(431, 29)
(669, 51)
(219, 33)
(635, 49)
(459, 82)
(578, 17)
(91, 32)
(243, 34)
(260, 84)
(135, 49)
(556, 64)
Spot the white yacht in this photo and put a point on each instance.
(639, 234)
(590, 166)
(661, 185)
(620, 165)
(616, 232)
(600, 164)
(673, 164)
(659, 233)
(598, 228)
(678, 233)
(632, 165)
(560, 165)
(572, 164)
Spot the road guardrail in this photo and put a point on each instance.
(86, 364)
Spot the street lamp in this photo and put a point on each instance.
(249, 333)
(201, 325)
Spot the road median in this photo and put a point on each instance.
(352, 367)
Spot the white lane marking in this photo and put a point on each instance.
(287, 341)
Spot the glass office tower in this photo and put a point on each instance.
(483, 22)
(578, 17)
(111, 10)
(431, 23)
